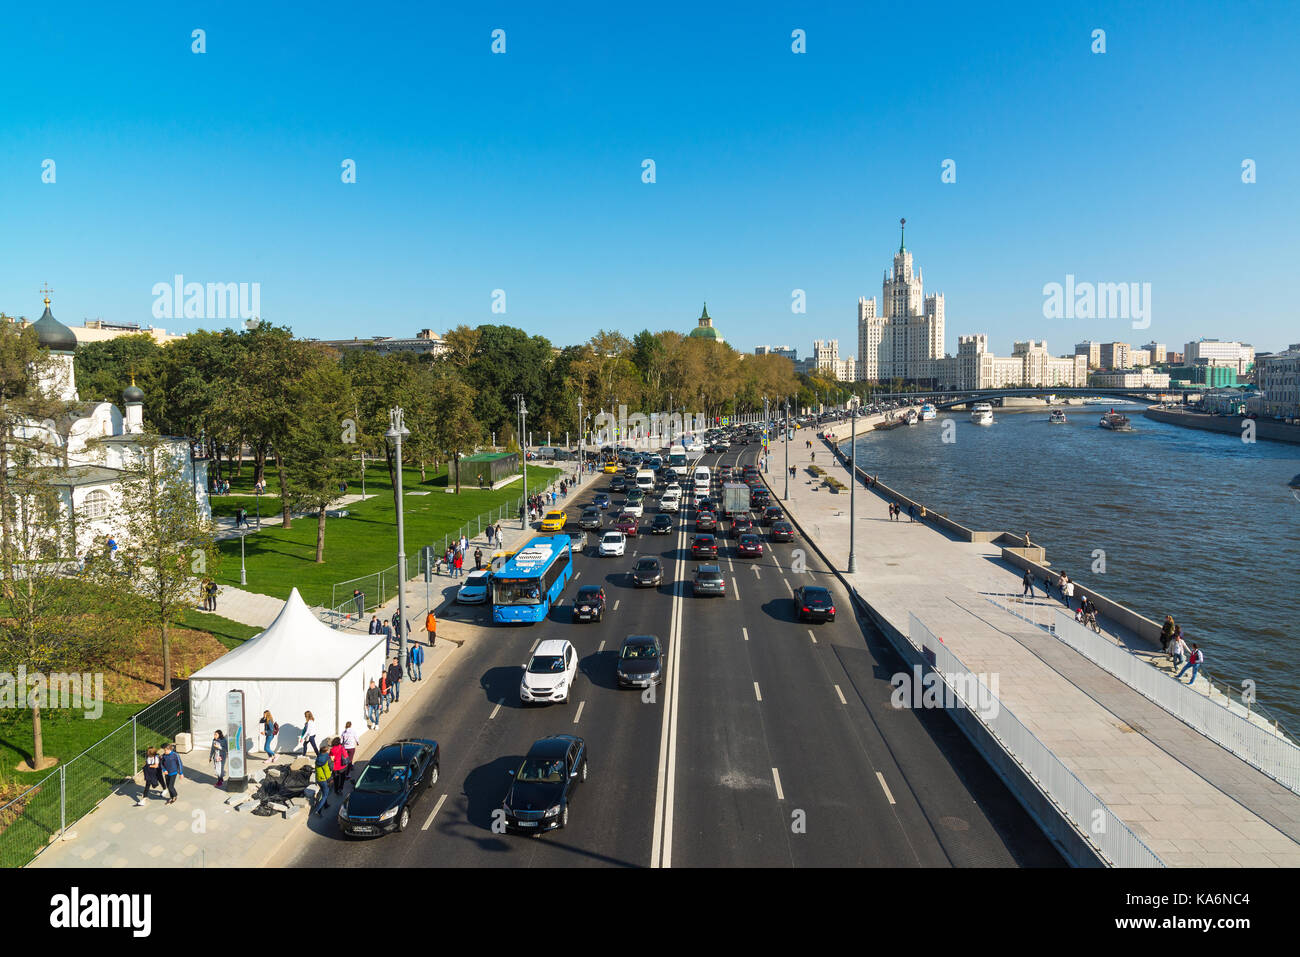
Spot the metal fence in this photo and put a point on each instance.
(1117, 844)
(45, 810)
(1223, 720)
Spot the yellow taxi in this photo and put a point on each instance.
(611, 466)
(555, 521)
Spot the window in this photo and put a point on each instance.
(95, 504)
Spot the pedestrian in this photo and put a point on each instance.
(152, 774)
(270, 728)
(911, 512)
(372, 705)
(172, 769)
(309, 733)
(487, 533)
(464, 542)
(385, 691)
(395, 680)
(212, 594)
(1194, 661)
(431, 626)
(415, 653)
(460, 562)
(322, 774)
(359, 597)
(1167, 633)
(339, 759)
(375, 628)
(1060, 583)
(447, 557)
(350, 741)
(1028, 582)
(387, 631)
(497, 534)
(1178, 647)
(1069, 593)
(217, 756)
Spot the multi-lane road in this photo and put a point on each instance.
(770, 743)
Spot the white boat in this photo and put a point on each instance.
(911, 418)
(928, 412)
(1116, 422)
(1057, 417)
(981, 413)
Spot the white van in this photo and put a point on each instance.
(703, 478)
(645, 480)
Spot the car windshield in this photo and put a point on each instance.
(542, 770)
(590, 593)
(612, 538)
(518, 592)
(553, 516)
(640, 651)
(647, 565)
(382, 779)
(708, 576)
(546, 665)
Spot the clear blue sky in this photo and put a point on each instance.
(775, 171)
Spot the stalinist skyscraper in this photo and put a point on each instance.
(906, 337)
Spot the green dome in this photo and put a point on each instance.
(705, 328)
(52, 334)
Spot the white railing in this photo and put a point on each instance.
(1044, 616)
(1223, 720)
(1117, 844)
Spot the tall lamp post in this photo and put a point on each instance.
(581, 425)
(243, 575)
(396, 431)
(523, 423)
(785, 434)
(853, 480)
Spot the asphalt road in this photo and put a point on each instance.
(780, 748)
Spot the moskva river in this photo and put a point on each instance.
(1194, 524)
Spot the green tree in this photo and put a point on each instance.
(315, 446)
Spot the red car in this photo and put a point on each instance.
(704, 546)
(749, 546)
(740, 526)
(626, 524)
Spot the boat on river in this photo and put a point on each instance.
(928, 412)
(981, 413)
(1116, 422)
(1057, 417)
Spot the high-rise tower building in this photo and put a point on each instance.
(905, 338)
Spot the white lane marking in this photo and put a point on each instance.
(735, 589)
(600, 648)
(730, 567)
(534, 647)
(787, 585)
(812, 636)
(661, 843)
(756, 574)
(579, 714)
(776, 561)
(776, 777)
(745, 633)
(758, 695)
(577, 575)
(616, 601)
(434, 813)
(841, 694)
(496, 709)
(881, 778)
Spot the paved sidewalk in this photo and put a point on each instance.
(1191, 801)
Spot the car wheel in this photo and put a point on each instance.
(403, 818)
(433, 776)
(564, 817)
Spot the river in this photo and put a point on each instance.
(1193, 524)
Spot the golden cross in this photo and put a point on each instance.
(45, 291)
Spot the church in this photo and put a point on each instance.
(92, 443)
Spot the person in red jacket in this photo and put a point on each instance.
(339, 763)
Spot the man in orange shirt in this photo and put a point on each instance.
(431, 626)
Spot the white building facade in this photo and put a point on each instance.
(904, 339)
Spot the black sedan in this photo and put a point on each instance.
(590, 519)
(704, 546)
(394, 779)
(749, 546)
(647, 572)
(781, 532)
(640, 662)
(813, 603)
(706, 522)
(618, 484)
(661, 524)
(542, 788)
(589, 605)
(772, 514)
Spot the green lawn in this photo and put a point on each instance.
(364, 542)
(232, 634)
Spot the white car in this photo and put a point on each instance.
(672, 488)
(633, 508)
(475, 589)
(550, 673)
(613, 544)
(670, 503)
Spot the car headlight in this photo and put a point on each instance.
(389, 814)
(343, 813)
(552, 812)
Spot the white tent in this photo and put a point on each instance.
(297, 664)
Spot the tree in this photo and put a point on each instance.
(455, 428)
(169, 541)
(319, 460)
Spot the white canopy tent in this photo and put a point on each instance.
(297, 664)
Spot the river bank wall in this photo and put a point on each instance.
(1268, 429)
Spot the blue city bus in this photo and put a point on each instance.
(532, 580)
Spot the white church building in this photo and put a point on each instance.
(93, 442)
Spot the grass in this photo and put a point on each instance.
(278, 559)
(232, 634)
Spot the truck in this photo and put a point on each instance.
(735, 499)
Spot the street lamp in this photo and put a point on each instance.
(581, 424)
(853, 479)
(786, 434)
(243, 575)
(523, 424)
(396, 431)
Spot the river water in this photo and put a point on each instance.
(1193, 524)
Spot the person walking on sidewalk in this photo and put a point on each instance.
(478, 559)
(1167, 633)
(373, 698)
(1069, 593)
(1178, 647)
(431, 626)
(375, 627)
(497, 534)
(270, 728)
(415, 660)
(1194, 661)
(349, 740)
(171, 769)
(385, 691)
(322, 774)
(339, 758)
(395, 680)
(152, 775)
(309, 733)
(1028, 582)
(460, 563)
(359, 597)
(217, 756)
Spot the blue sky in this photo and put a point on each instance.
(775, 171)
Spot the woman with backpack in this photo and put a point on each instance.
(322, 774)
(270, 728)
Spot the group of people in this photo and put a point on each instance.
(161, 771)
(1174, 645)
(896, 511)
(539, 503)
(334, 767)
(208, 591)
(493, 533)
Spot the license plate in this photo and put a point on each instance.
(527, 823)
(585, 614)
(363, 829)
